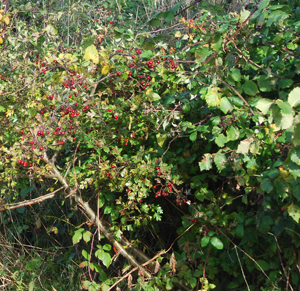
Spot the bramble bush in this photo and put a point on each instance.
(168, 159)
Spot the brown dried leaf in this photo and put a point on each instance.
(173, 263)
(129, 284)
(157, 267)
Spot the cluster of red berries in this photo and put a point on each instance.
(24, 164)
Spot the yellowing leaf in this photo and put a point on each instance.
(1, 16)
(160, 139)
(213, 97)
(105, 69)
(6, 20)
(91, 54)
(50, 29)
(151, 96)
(1, 40)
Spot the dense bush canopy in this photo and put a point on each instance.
(149, 150)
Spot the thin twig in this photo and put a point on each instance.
(29, 202)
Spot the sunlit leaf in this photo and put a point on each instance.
(91, 54)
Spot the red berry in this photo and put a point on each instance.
(133, 57)
(111, 22)
(118, 73)
(116, 117)
(156, 196)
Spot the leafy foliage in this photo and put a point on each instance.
(179, 142)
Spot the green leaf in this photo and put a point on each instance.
(294, 97)
(205, 241)
(25, 191)
(205, 164)
(266, 185)
(277, 17)
(85, 254)
(295, 155)
(217, 243)
(263, 4)
(91, 54)
(220, 161)
(286, 83)
(32, 264)
(294, 212)
(154, 22)
(146, 55)
(232, 133)
(2, 109)
(265, 84)
(244, 146)
(262, 265)
(296, 137)
(285, 107)
(220, 140)
(106, 260)
(225, 105)
(264, 105)
(240, 217)
(202, 53)
(239, 230)
(244, 15)
(168, 16)
(213, 97)
(77, 236)
(250, 88)
(87, 235)
(107, 247)
(235, 74)
(193, 136)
